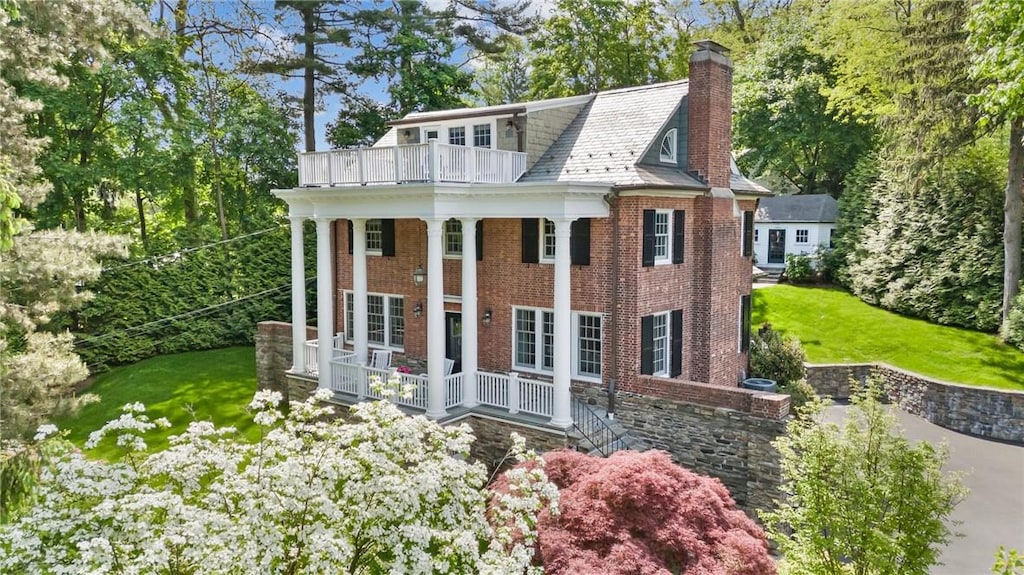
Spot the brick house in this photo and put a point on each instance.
(600, 241)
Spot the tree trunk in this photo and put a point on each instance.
(1012, 215)
(309, 78)
(142, 215)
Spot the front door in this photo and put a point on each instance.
(453, 338)
(776, 246)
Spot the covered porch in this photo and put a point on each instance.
(347, 370)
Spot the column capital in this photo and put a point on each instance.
(434, 225)
(469, 220)
(326, 219)
(358, 224)
(563, 226)
(295, 218)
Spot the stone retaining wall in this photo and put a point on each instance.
(493, 439)
(274, 358)
(981, 411)
(724, 432)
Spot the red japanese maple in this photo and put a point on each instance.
(640, 514)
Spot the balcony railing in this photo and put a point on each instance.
(430, 162)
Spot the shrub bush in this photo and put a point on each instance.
(1012, 329)
(775, 357)
(799, 269)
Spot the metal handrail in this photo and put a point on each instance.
(593, 427)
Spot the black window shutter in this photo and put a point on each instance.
(531, 240)
(479, 240)
(350, 235)
(648, 251)
(647, 345)
(678, 232)
(748, 234)
(580, 242)
(677, 343)
(744, 323)
(387, 242)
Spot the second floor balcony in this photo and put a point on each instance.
(430, 162)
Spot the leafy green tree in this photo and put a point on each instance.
(784, 121)
(592, 45)
(997, 39)
(504, 78)
(862, 498)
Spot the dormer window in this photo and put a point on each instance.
(668, 147)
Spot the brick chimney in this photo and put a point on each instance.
(709, 145)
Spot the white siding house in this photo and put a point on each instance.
(786, 225)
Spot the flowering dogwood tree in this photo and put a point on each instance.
(638, 513)
(386, 494)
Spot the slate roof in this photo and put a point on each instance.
(610, 135)
(797, 208)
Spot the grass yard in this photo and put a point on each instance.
(836, 327)
(213, 385)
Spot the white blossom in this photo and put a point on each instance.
(390, 492)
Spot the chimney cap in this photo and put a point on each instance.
(711, 46)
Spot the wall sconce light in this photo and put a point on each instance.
(487, 317)
(510, 128)
(417, 310)
(407, 133)
(419, 276)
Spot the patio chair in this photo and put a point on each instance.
(381, 359)
(449, 366)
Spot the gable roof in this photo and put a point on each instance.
(610, 135)
(796, 208)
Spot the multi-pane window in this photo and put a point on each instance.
(385, 320)
(374, 237)
(757, 236)
(457, 136)
(534, 341)
(453, 238)
(662, 235)
(482, 135)
(660, 365)
(801, 236)
(589, 337)
(547, 236)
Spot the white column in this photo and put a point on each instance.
(324, 302)
(470, 315)
(562, 415)
(359, 309)
(298, 297)
(435, 321)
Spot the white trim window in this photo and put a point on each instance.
(374, 237)
(662, 236)
(385, 320)
(533, 339)
(547, 240)
(482, 136)
(668, 147)
(457, 135)
(453, 238)
(802, 236)
(660, 363)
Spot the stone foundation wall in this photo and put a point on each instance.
(274, 358)
(981, 411)
(731, 444)
(493, 441)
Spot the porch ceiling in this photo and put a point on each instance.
(450, 200)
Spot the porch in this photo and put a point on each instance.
(430, 162)
(352, 381)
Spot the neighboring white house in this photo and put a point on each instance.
(786, 225)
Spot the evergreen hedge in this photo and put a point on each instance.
(189, 301)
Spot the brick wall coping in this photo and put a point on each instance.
(759, 403)
(281, 328)
(981, 411)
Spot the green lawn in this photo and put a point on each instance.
(212, 385)
(836, 327)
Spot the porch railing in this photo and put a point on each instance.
(312, 348)
(511, 392)
(430, 162)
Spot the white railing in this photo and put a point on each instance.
(430, 162)
(515, 394)
(453, 390)
(312, 359)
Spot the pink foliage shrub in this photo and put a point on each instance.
(640, 514)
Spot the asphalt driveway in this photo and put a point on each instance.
(993, 513)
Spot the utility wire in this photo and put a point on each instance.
(179, 253)
(142, 328)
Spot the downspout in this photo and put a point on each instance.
(612, 198)
(520, 133)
